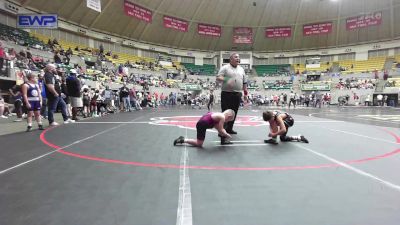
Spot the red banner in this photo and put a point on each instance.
(176, 24)
(364, 21)
(209, 30)
(316, 29)
(243, 35)
(243, 30)
(278, 32)
(137, 11)
(243, 39)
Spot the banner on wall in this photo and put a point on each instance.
(313, 63)
(243, 35)
(315, 87)
(209, 30)
(137, 11)
(175, 23)
(94, 4)
(317, 29)
(242, 39)
(189, 87)
(372, 19)
(243, 30)
(278, 32)
(30, 21)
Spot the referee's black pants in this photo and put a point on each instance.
(230, 100)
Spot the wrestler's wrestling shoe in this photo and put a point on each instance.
(303, 139)
(179, 140)
(225, 142)
(271, 141)
(231, 132)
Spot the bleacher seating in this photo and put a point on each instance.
(178, 65)
(351, 66)
(20, 36)
(324, 67)
(205, 69)
(300, 68)
(64, 44)
(269, 70)
(397, 62)
(122, 57)
(362, 66)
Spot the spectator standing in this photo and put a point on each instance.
(16, 94)
(385, 100)
(65, 95)
(57, 58)
(132, 97)
(355, 98)
(69, 52)
(385, 75)
(50, 43)
(93, 103)
(210, 100)
(42, 86)
(376, 74)
(162, 99)
(101, 48)
(2, 107)
(74, 91)
(53, 93)
(12, 54)
(292, 99)
(318, 99)
(124, 92)
(379, 99)
(2, 56)
(86, 102)
(367, 100)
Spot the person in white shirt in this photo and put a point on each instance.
(234, 81)
(292, 99)
(367, 100)
(379, 99)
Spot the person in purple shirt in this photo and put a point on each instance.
(209, 121)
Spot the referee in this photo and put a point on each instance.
(234, 81)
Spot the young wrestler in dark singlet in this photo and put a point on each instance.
(279, 125)
(209, 121)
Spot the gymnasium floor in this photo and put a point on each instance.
(123, 169)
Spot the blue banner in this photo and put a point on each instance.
(29, 21)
